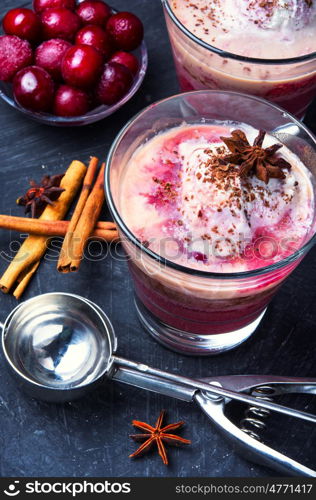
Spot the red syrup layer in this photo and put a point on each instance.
(206, 317)
(293, 95)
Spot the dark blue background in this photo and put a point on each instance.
(91, 437)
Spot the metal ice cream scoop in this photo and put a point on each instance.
(59, 346)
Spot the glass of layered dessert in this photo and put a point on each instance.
(213, 195)
(265, 48)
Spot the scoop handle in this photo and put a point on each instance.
(210, 388)
(152, 383)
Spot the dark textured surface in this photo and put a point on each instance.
(91, 437)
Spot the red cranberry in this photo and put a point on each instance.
(200, 257)
(41, 5)
(94, 12)
(81, 66)
(126, 29)
(96, 37)
(126, 59)
(23, 23)
(49, 56)
(33, 88)
(15, 54)
(114, 83)
(70, 101)
(59, 23)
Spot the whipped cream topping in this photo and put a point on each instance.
(282, 28)
(277, 14)
(187, 209)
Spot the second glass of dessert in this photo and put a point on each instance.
(264, 48)
(213, 195)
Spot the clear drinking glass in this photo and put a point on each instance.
(291, 83)
(187, 310)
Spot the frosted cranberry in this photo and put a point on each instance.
(59, 23)
(94, 12)
(33, 88)
(81, 66)
(126, 29)
(70, 101)
(114, 83)
(23, 23)
(41, 5)
(126, 59)
(15, 54)
(49, 56)
(96, 37)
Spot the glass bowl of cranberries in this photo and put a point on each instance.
(68, 62)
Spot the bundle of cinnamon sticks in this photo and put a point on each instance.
(83, 225)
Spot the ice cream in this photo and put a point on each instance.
(256, 28)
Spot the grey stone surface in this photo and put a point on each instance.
(91, 437)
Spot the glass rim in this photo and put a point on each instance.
(231, 55)
(166, 262)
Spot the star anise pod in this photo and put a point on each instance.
(255, 158)
(39, 195)
(158, 435)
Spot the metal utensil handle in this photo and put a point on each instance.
(153, 383)
(210, 388)
(248, 447)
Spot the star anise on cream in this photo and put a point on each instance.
(262, 161)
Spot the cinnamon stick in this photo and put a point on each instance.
(26, 261)
(19, 290)
(64, 256)
(74, 253)
(104, 230)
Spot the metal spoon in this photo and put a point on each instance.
(59, 346)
